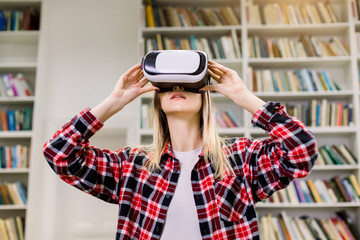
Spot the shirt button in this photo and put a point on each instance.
(167, 196)
(176, 170)
(157, 229)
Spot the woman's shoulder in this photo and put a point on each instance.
(235, 142)
(136, 154)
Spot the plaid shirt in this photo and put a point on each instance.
(225, 208)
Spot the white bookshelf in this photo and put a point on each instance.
(19, 54)
(344, 69)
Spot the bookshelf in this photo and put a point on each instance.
(19, 47)
(344, 70)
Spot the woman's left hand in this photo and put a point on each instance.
(231, 86)
(229, 82)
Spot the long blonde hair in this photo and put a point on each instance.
(213, 143)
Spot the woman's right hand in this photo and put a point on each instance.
(129, 86)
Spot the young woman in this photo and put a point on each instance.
(190, 183)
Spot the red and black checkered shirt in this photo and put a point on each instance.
(225, 207)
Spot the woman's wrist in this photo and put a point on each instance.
(248, 101)
(107, 108)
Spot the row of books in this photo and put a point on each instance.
(284, 227)
(322, 113)
(336, 154)
(335, 190)
(14, 157)
(188, 16)
(14, 86)
(15, 20)
(221, 47)
(294, 14)
(226, 119)
(16, 119)
(12, 194)
(311, 46)
(12, 228)
(317, 113)
(298, 80)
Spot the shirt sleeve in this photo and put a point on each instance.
(90, 169)
(290, 151)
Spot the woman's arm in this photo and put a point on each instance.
(93, 170)
(273, 163)
(231, 86)
(130, 85)
(289, 153)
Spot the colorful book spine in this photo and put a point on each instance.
(14, 157)
(226, 119)
(222, 47)
(290, 14)
(14, 86)
(15, 20)
(13, 193)
(322, 113)
(12, 228)
(304, 80)
(282, 46)
(345, 189)
(16, 119)
(191, 16)
(308, 227)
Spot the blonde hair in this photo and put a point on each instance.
(213, 143)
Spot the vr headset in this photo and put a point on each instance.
(186, 69)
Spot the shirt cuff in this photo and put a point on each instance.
(263, 116)
(86, 123)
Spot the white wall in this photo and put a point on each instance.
(85, 46)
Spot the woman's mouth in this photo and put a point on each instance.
(177, 95)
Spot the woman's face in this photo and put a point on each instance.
(178, 101)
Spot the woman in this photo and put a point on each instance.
(190, 184)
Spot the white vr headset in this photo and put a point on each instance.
(167, 69)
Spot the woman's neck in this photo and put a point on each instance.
(185, 132)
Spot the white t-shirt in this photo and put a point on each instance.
(181, 220)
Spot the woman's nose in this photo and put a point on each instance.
(178, 88)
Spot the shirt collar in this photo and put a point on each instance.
(168, 151)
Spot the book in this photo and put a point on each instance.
(350, 223)
(214, 47)
(286, 13)
(341, 188)
(3, 231)
(19, 227)
(13, 193)
(311, 227)
(150, 20)
(313, 191)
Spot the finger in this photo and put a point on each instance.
(135, 74)
(129, 72)
(216, 71)
(139, 75)
(219, 66)
(214, 76)
(143, 82)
